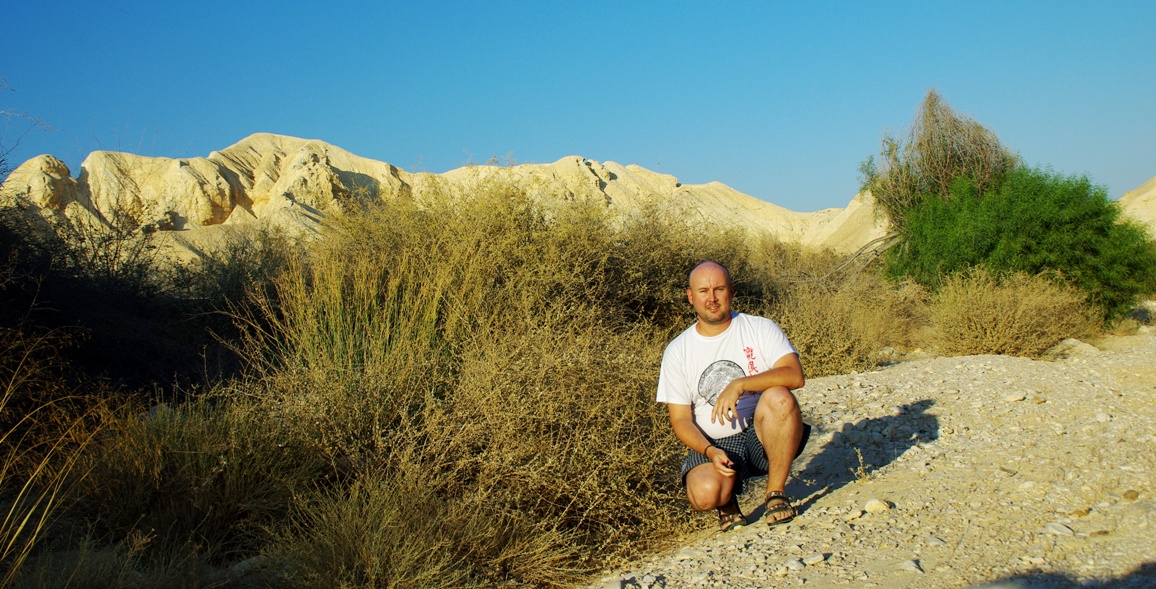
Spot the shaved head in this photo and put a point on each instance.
(709, 266)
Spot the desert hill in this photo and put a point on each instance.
(1140, 204)
(293, 183)
(192, 204)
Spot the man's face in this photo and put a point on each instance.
(710, 294)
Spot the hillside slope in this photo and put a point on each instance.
(1140, 204)
(292, 182)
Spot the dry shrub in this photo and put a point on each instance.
(651, 256)
(385, 531)
(510, 355)
(198, 477)
(85, 567)
(842, 325)
(555, 418)
(941, 146)
(1020, 315)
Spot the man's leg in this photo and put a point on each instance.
(779, 425)
(707, 489)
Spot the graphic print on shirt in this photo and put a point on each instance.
(716, 377)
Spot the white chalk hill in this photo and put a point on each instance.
(1140, 204)
(192, 203)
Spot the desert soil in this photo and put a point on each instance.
(974, 470)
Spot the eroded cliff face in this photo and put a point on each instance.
(293, 183)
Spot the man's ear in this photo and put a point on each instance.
(690, 296)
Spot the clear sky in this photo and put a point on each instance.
(780, 100)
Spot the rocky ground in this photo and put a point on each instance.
(955, 472)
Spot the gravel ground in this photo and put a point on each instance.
(956, 472)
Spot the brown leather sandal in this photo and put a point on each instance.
(782, 505)
(732, 520)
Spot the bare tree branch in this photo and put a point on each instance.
(10, 140)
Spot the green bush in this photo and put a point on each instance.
(1035, 221)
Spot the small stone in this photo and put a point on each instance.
(854, 514)
(1058, 529)
(1038, 400)
(1014, 398)
(794, 565)
(648, 580)
(874, 505)
(910, 565)
(1103, 417)
(947, 431)
(816, 558)
(1131, 495)
(249, 565)
(782, 571)
(1081, 512)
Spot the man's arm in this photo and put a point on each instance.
(787, 372)
(682, 421)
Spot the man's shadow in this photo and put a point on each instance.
(855, 451)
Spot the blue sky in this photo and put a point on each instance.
(778, 100)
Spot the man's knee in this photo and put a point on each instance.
(776, 403)
(704, 491)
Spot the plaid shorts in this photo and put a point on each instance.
(745, 451)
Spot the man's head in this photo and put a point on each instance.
(710, 293)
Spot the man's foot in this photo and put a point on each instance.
(729, 516)
(779, 509)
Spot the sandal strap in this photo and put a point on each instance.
(729, 521)
(779, 508)
(780, 495)
(732, 503)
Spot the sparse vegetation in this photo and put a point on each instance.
(452, 394)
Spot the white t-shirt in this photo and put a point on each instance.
(696, 368)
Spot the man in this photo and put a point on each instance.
(727, 383)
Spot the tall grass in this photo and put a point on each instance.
(41, 442)
(490, 350)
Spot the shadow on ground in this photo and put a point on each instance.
(1143, 577)
(855, 451)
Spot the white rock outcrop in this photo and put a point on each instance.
(291, 183)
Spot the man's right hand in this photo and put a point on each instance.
(722, 463)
